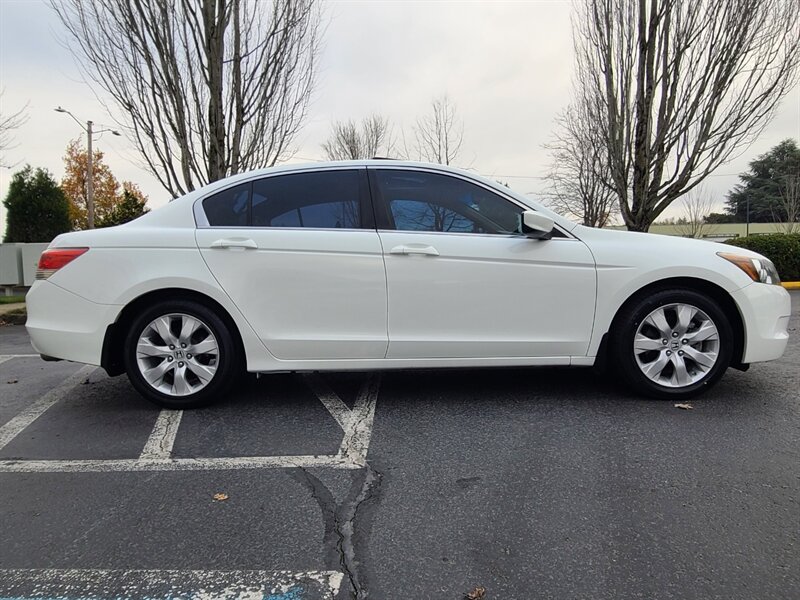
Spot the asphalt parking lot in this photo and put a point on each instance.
(537, 483)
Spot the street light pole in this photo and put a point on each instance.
(89, 176)
(89, 163)
(747, 227)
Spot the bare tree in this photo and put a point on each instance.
(351, 141)
(679, 87)
(8, 123)
(579, 173)
(206, 88)
(790, 202)
(697, 206)
(439, 134)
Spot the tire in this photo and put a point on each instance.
(671, 344)
(169, 374)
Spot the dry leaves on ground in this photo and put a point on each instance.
(684, 406)
(220, 497)
(476, 594)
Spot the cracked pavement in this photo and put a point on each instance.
(532, 483)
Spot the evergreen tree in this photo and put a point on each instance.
(132, 205)
(37, 210)
(763, 184)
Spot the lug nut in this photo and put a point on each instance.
(669, 353)
(680, 352)
(180, 364)
(664, 342)
(183, 345)
(188, 355)
(674, 334)
(685, 341)
(169, 359)
(172, 347)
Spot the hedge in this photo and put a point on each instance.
(783, 249)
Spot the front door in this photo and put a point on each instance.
(462, 283)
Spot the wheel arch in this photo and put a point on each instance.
(111, 357)
(710, 289)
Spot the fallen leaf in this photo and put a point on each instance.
(684, 406)
(13, 381)
(220, 497)
(476, 594)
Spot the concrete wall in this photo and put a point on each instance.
(18, 263)
(10, 265)
(724, 231)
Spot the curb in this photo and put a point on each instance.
(791, 285)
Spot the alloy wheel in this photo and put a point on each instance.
(177, 354)
(676, 345)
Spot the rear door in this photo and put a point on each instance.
(299, 255)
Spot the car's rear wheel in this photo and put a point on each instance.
(180, 354)
(672, 344)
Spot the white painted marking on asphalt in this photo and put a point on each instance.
(162, 438)
(356, 423)
(338, 409)
(175, 464)
(5, 357)
(157, 452)
(199, 585)
(13, 428)
(357, 436)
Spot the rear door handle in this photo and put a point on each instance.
(415, 249)
(239, 243)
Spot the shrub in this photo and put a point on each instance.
(783, 249)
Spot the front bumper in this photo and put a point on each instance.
(64, 325)
(765, 311)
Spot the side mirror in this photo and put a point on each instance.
(536, 226)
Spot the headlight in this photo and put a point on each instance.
(759, 270)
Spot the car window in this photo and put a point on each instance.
(328, 199)
(416, 215)
(418, 201)
(228, 208)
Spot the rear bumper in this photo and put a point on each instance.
(66, 326)
(765, 310)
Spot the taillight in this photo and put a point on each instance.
(53, 259)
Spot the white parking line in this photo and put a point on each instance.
(5, 357)
(168, 584)
(157, 452)
(11, 429)
(338, 409)
(162, 438)
(175, 464)
(358, 433)
(356, 423)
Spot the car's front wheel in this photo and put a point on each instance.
(673, 344)
(180, 354)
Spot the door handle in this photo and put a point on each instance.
(240, 243)
(415, 249)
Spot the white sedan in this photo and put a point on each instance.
(393, 265)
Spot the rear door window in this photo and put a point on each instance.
(323, 200)
(334, 199)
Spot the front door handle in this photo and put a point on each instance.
(415, 249)
(240, 243)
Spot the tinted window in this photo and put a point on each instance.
(431, 202)
(229, 207)
(416, 215)
(324, 200)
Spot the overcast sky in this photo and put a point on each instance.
(506, 66)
